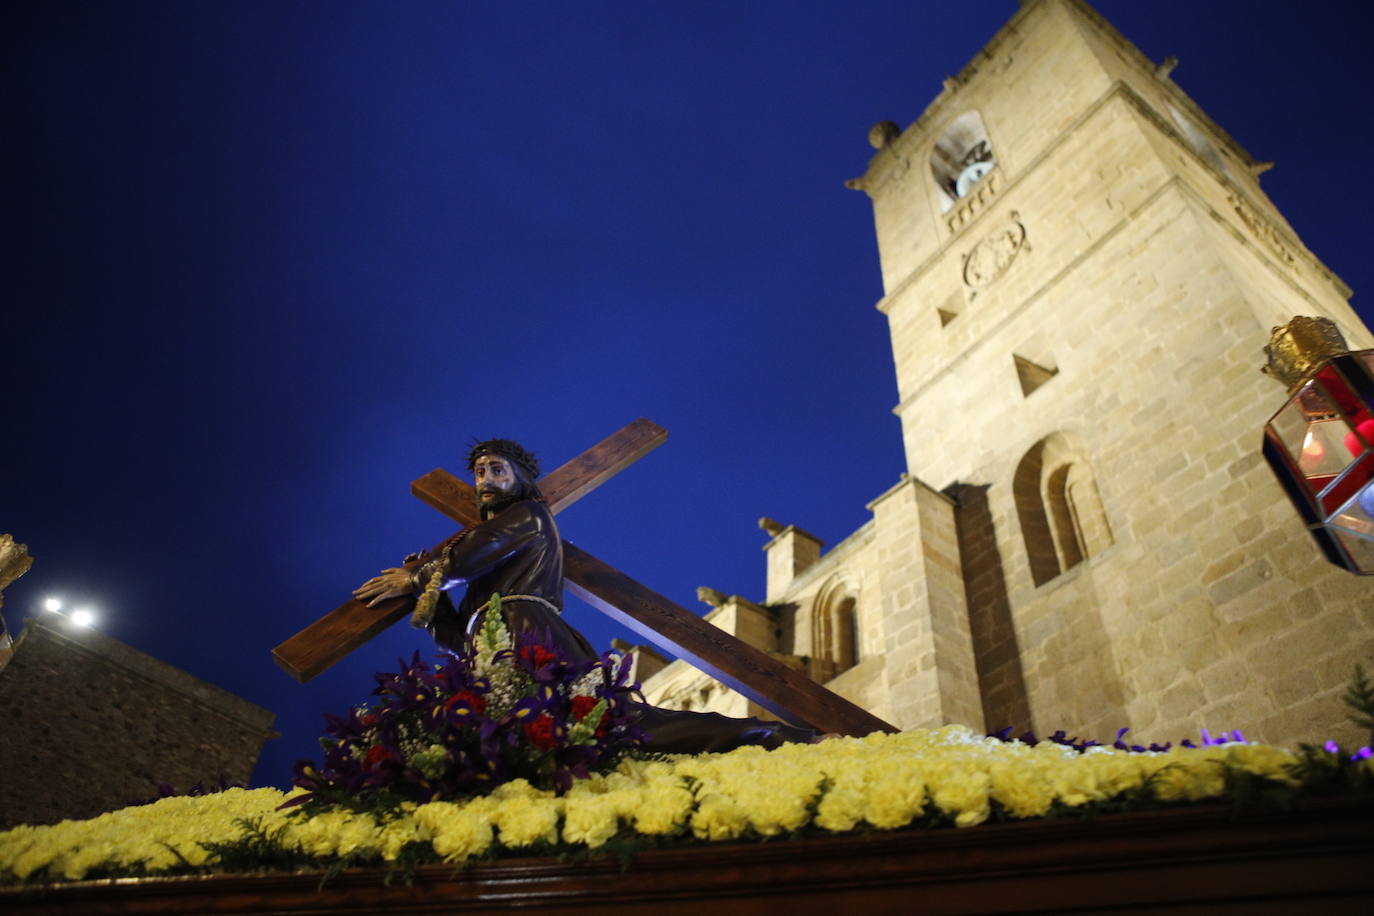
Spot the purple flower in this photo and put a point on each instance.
(1232, 737)
(436, 731)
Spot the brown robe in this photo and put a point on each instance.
(518, 552)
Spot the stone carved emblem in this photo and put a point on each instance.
(1262, 228)
(991, 257)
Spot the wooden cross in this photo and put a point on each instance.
(783, 691)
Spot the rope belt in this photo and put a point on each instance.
(422, 618)
(475, 622)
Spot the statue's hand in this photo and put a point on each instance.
(392, 583)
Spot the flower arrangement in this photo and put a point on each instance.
(503, 781)
(503, 709)
(942, 777)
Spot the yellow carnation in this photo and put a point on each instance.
(32, 859)
(718, 817)
(1076, 782)
(664, 806)
(1262, 760)
(841, 808)
(524, 820)
(1021, 789)
(398, 832)
(894, 796)
(459, 831)
(1193, 777)
(76, 862)
(589, 818)
(1113, 772)
(963, 794)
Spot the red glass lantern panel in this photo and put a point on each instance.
(1320, 445)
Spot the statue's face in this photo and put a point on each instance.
(494, 478)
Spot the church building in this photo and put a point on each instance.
(1081, 273)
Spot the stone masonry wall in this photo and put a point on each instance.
(91, 725)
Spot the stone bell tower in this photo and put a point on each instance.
(1081, 271)
(1081, 274)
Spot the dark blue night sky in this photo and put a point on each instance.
(271, 261)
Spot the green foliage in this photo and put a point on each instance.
(382, 802)
(412, 855)
(1250, 792)
(1359, 696)
(1323, 772)
(1141, 798)
(1332, 770)
(256, 848)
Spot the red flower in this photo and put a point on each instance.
(540, 732)
(370, 719)
(536, 656)
(582, 707)
(377, 754)
(478, 704)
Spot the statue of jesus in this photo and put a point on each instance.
(516, 552)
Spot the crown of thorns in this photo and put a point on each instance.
(511, 451)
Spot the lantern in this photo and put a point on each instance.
(1320, 444)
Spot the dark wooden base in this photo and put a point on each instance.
(1200, 860)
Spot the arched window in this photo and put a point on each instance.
(1057, 503)
(835, 629)
(1066, 531)
(962, 156)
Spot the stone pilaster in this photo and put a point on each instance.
(930, 670)
(790, 552)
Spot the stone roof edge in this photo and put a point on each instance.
(828, 561)
(1195, 110)
(141, 664)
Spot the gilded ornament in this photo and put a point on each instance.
(14, 561)
(1298, 347)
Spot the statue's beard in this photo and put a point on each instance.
(501, 503)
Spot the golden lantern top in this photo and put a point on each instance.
(1297, 348)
